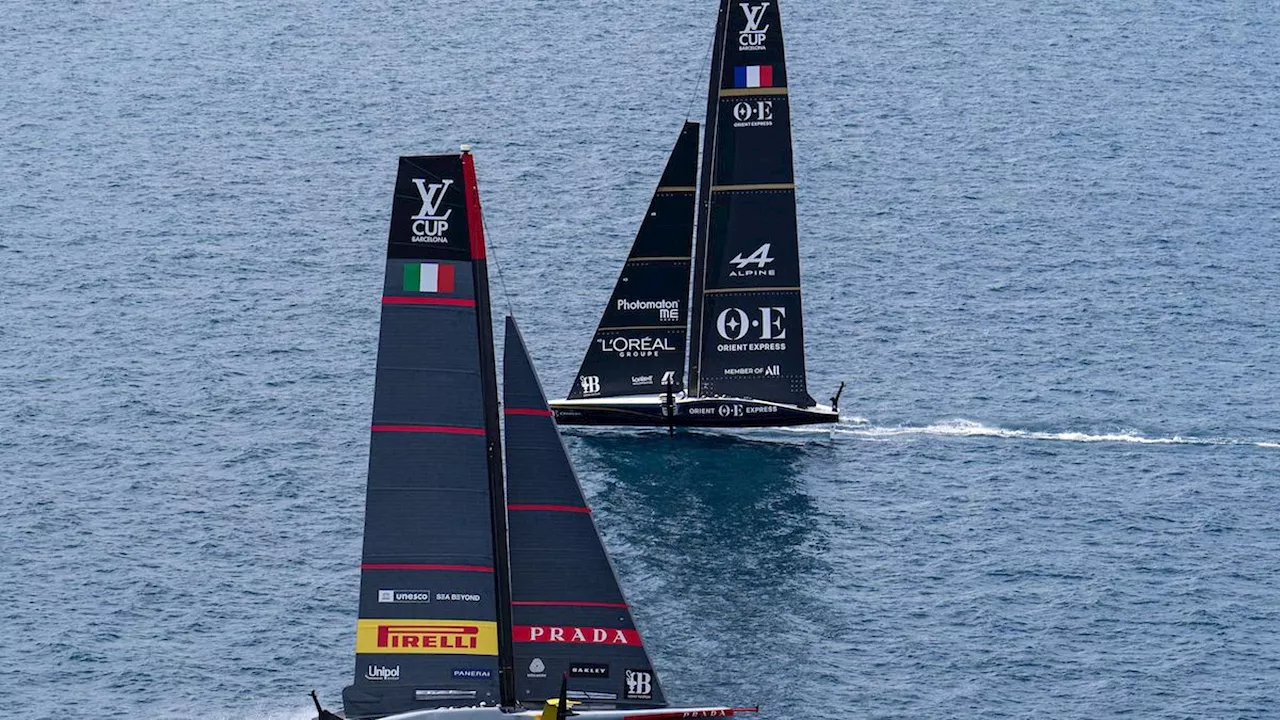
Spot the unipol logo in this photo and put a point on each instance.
(752, 35)
(379, 673)
(753, 265)
(429, 226)
(590, 384)
(733, 324)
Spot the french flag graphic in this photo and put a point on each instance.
(753, 76)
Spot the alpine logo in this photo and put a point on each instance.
(752, 35)
(759, 259)
(639, 685)
(429, 226)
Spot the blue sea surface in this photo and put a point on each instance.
(1040, 240)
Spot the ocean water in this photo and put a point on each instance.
(1040, 243)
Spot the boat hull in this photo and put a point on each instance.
(494, 713)
(715, 412)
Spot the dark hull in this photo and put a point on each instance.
(689, 412)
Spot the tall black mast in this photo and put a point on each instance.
(493, 434)
(710, 129)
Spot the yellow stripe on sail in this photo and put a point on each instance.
(436, 637)
(740, 92)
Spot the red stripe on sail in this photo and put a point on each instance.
(679, 714)
(428, 429)
(475, 219)
(423, 300)
(528, 411)
(413, 566)
(569, 603)
(551, 508)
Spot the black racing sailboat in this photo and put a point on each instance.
(485, 590)
(742, 320)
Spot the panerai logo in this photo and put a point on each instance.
(429, 226)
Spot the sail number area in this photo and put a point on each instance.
(453, 637)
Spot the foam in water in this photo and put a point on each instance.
(969, 428)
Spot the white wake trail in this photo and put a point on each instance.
(969, 428)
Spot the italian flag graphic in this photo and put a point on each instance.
(428, 277)
(753, 76)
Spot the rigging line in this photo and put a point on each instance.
(497, 263)
(702, 72)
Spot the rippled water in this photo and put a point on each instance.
(1040, 242)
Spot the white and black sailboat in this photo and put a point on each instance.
(485, 590)
(743, 319)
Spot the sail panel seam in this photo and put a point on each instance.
(418, 566)
(754, 186)
(428, 429)
(751, 290)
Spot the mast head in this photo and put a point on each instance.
(466, 148)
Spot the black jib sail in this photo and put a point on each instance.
(431, 604)
(639, 347)
(569, 613)
(746, 326)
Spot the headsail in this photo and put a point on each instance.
(569, 613)
(746, 326)
(428, 633)
(638, 348)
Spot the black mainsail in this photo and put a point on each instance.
(442, 573)
(747, 335)
(639, 346)
(570, 616)
(745, 328)
(432, 605)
